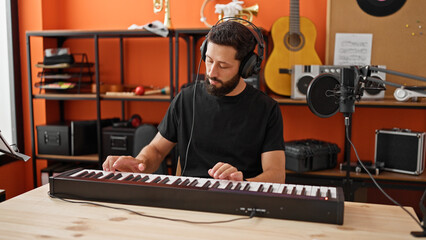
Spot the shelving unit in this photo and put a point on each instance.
(62, 73)
(191, 38)
(384, 103)
(61, 36)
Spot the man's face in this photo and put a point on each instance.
(221, 69)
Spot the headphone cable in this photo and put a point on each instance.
(193, 120)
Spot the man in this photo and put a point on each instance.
(223, 127)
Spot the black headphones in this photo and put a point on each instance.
(251, 63)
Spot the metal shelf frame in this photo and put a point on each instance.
(61, 36)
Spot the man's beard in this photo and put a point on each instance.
(226, 87)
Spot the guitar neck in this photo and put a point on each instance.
(294, 17)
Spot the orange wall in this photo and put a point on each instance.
(147, 63)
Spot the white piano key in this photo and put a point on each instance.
(308, 190)
(78, 173)
(279, 188)
(323, 191)
(333, 192)
(314, 191)
(290, 188)
(299, 189)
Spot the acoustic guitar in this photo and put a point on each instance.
(294, 44)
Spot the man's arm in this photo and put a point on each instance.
(273, 166)
(148, 160)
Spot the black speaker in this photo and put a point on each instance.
(250, 65)
(401, 151)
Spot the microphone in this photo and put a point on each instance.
(329, 93)
(349, 89)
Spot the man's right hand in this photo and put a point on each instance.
(123, 164)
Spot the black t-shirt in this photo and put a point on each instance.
(230, 129)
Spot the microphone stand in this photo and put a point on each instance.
(347, 97)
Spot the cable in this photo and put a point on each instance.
(153, 216)
(374, 181)
(193, 119)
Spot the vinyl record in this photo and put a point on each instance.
(322, 97)
(380, 8)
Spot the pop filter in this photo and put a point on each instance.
(323, 95)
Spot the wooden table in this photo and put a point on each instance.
(34, 215)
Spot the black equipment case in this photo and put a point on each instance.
(53, 139)
(310, 155)
(117, 141)
(401, 150)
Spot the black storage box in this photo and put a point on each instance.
(117, 141)
(75, 138)
(401, 151)
(53, 139)
(310, 155)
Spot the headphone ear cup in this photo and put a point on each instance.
(248, 65)
(203, 50)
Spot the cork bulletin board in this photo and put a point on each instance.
(399, 39)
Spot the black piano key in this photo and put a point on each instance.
(165, 180)
(117, 176)
(303, 192)
(284, 190)
(184, 183)
(90, 175)
(98, 175)
(293, 191)
(216, 185)
(318, 193)
(110, 175)
(207, 184)
(229, 185)
(156, 180)
(144, 179)
(270, 188)
(260, 189)
(247, 187)
(193, 183)
(82, 174)
(136, 178)
(128, 178)
(177, 181)
(238, 186)
(328, 193)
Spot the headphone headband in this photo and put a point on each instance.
(259, 38)
(252, 62)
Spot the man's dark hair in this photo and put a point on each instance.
(233, 34)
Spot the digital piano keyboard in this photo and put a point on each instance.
(272, 200)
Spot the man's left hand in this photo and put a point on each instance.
(225, 171)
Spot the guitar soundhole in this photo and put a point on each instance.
(294, 41)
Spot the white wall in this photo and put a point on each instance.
(7, 104)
